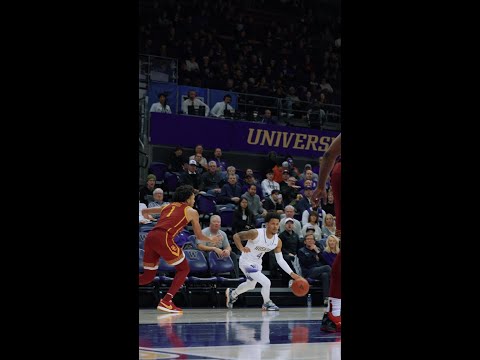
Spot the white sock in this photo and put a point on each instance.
(336, 306)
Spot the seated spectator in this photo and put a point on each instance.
(195, 102)
(290, 245)
(221, 163)
(269, 184)
(254, 203)
(177, 160)
(157, 201)
(243, 218)
(308, 167)
(331, 250)
(312, 224)
(230, 193)
(141, 218)
(329, 227)
(146, 192)
(161, 106)
(199, 158)
(319, 213)
(274, 202)
(191, 177)
(314, 266)
(250, 180)
(211, 180)
(267, 117)
(222, 249)
(329, 207)
(297, 226)
(221, 107)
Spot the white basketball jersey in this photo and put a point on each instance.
(259, 246)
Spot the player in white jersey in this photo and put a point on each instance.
(259, 241)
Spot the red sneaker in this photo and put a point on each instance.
(168, 306)
(331, 323)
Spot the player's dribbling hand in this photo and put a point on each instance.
(295, 276)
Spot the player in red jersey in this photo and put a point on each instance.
(332, 319)
(159, 242)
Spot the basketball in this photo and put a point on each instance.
(300, 287)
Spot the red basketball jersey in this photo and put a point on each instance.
(173, 218)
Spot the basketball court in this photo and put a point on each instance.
(240, 333)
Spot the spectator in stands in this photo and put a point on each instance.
(284, 182)
(195, 102)
(141, 219)
(331, 250)
(157, 201)
(308, 167)
(274, 203)
(211, 180)
(329, 227)
(161, 106)
(329, 206)
(231, 170)
(312, 224)
(250, 180)
(224, 249)
(177, 160)
(291, 191)
(230, 193)
(243, 218)
(325, 87)
(267, 117)
(146, 192)
(221, 163)
(314, 265)
(191, 177)
(289, 214)
(269, 184)
(306, 201)
(290, 246)
(201, 160)
(254, 203)
(279, 170)
(223, 109)
(308, 176)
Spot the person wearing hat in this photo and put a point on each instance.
(274, 202)
(290, 246)
(297, 226)
(191, 177)
(146, 192)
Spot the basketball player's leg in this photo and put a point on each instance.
(232, 294)
(175, 256)
(266, 283)
(332, 319)
(150, 262)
